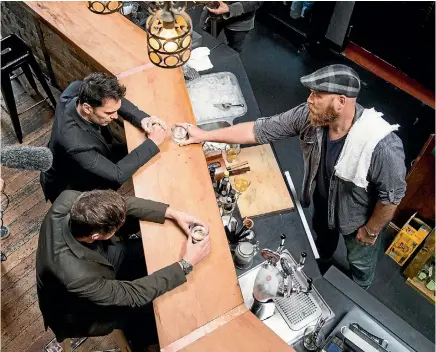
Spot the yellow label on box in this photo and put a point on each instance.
(408, 239)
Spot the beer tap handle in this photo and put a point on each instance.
(309, 285)
(282, 244)
(300, 265)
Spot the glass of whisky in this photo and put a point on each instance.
(232, 152)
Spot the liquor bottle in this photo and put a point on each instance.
(228, 206)
(220, 207)
(233, 195)
(223, 185)
(227, 184)
(223, 197)
(212, 172)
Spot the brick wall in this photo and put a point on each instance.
(67, 65)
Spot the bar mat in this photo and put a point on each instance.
(54, 346)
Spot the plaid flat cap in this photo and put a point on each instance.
(336, 79)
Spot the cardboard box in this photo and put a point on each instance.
(408, 239)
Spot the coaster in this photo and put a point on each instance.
(54, 346)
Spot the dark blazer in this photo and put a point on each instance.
(77, 290)
(84, 158)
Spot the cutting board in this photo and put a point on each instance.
(268, 192)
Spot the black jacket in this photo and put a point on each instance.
(84, 158)
(77, 290)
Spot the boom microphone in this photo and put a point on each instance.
(26, 158)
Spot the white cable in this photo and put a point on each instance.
(302, 216)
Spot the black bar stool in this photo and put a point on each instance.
(15, 53)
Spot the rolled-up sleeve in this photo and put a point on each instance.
(287, 124)
(388, 170)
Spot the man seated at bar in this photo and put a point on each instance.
(85, 154)
(88, 284)
(356, 206)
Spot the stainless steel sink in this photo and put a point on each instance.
(214, 125)
(292, 315)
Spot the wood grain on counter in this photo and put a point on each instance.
(179, 176)
(245, 333)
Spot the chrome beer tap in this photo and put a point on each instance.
(289, 273)
(274, 280)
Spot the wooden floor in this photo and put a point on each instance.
(22, 327)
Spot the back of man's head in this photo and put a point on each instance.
(98, 211)
(99, 86)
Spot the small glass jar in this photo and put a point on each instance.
(198, 232)
(180, 134)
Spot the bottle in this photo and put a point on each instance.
(212, 172)
(233, 195)
(228, 206)
(227, 184)
(223, 185)
(223, 196)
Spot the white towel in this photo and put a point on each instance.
(355, 157)
(199, 59)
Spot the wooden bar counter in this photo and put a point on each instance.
(177, 176)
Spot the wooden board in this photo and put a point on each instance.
(422, 257)
(267, 192)
(420, 287)
(420, 191)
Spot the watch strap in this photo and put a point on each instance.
(370, 234)
(186, 267)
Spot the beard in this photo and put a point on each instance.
(324, 118)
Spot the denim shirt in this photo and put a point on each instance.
(349, 206)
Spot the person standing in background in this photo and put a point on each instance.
(235, 17)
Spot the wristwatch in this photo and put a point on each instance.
(369, 234)
(186, 267)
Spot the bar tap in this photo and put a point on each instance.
(274, 281)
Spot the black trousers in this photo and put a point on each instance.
(235, 39)
(138, 324)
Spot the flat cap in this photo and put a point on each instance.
(335, 79)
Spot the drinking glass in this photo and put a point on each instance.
(180, 133)
(241, 184)
(232, 152)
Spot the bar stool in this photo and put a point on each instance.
(15, 53)
(117, 335)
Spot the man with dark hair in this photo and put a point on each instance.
(236, 18)
(89, 284)
(85, 154)
(351, 155)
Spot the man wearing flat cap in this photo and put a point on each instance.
(353, 164)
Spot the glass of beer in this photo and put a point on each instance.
(232, 152)
(198, 232)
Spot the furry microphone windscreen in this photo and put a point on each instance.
(26, 158)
